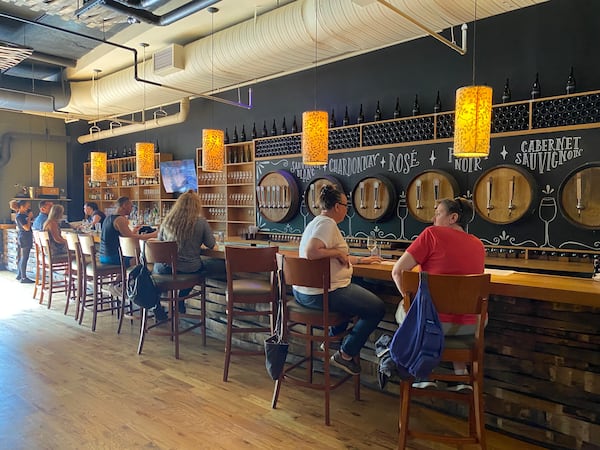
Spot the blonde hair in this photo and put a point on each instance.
(178, 224)
(56, 213)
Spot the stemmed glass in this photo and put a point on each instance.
(373, 247)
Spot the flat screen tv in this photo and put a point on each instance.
(179, 176)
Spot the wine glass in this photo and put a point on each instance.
(372, 246)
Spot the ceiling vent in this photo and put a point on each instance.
(168, 60)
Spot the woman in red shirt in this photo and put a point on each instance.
(445, 248)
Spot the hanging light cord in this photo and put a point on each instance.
(474, 38)
(316, 49)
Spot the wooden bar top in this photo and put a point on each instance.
(550, 288)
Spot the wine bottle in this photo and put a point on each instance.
(571, 83)
(243, 134)
(332, 119)
(535, 89)
(397, 108)
(346, 119)
(226, 137)
(283, 127)
(235, 135)
(254, 135)
(156, 147)
(265, 133)
(377, 116)
(361, 116)
(416, 108)
(294, 125)
(506, 93)
(274, 129)
(438, 103)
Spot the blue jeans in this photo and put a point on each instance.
(353, 300)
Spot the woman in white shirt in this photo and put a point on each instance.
(323, 239)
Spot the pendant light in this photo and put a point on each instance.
(315, 124)
(46, 174)
(213, 141)
(144, 151)
(97, 159)
(473, 115)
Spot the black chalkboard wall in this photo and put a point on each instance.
(549, 158)
(514, 45)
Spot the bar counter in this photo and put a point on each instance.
(542, 355)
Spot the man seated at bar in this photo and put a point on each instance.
(38, 222)
(445, 248)
(92, 214)
(323, 239)
(117, 225)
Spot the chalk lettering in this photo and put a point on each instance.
(403, 162)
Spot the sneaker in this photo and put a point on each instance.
(116, 290)
(348, 366)
(26, 281)
(425, 384)
(18, 278)
(160, 315)
(459, 387)
(333, 345)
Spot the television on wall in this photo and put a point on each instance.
(179, 176)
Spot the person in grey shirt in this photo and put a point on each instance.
(185, 225)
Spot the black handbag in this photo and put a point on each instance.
(276, 349)
(141, 288)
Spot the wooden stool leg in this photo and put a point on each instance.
(228, 343)
(143, 330)
(405, 387)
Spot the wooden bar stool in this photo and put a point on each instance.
(76, 272)
(312, 327)
(55, 270)
(100, 276)
(129, 254)
(452, 294)
(249, 295)
(39, 263)
(171, 284)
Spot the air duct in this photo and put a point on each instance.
(158, 122)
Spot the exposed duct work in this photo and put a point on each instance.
(158, 122)
(48, 96)
(146, 16)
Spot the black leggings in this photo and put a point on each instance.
(23, 258)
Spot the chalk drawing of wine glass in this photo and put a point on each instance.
(402, 212)
(547, 213)
(350, 213)
(304, 209)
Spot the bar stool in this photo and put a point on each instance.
(101, 276)
(55, 270)
(129, 254)
(452, 294)
(39, 262)
(76, 272)
(302, 323)
(247, 292)
(166, 252)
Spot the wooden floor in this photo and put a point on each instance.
(64, 387)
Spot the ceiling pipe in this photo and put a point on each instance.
(157, 122)
(146, 16)
(238, 104)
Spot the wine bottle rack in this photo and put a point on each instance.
(565, 111)
(551, 112)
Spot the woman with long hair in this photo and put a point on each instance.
(185, 225)
(58, 243)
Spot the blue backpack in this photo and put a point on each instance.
(417, 345)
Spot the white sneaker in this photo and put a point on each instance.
(425, 384)
(459, 387)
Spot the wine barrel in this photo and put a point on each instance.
(504, 194)
(313, 189)
(277, 196)
(374, 198)
(577, 202)
(424, 191)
